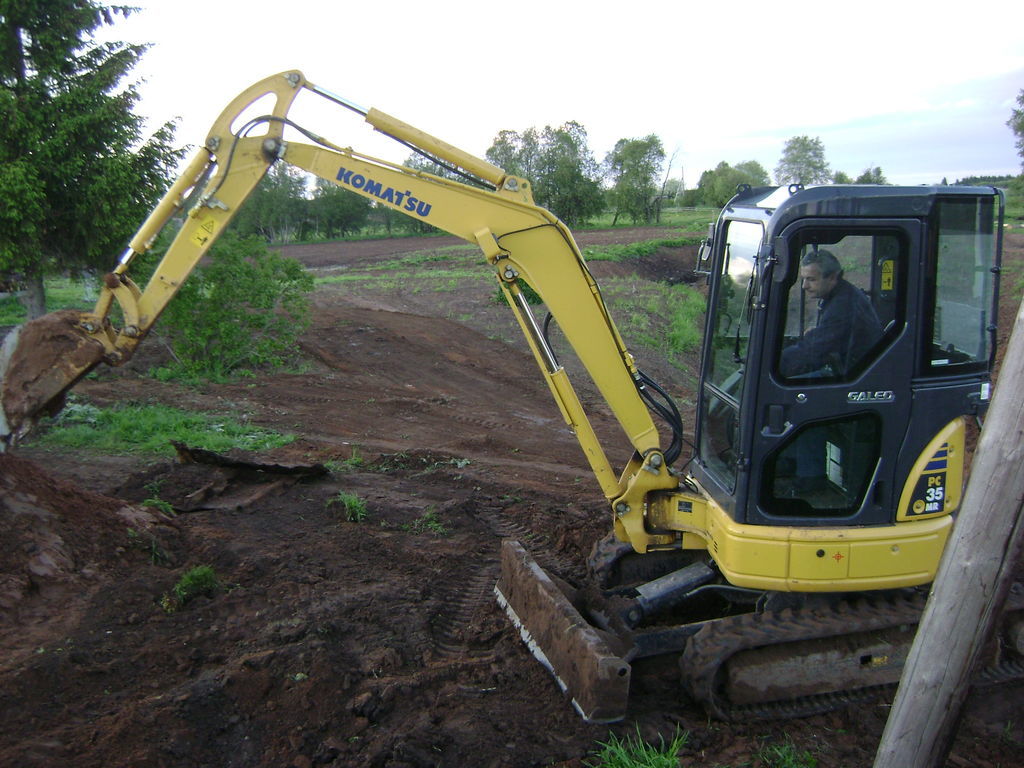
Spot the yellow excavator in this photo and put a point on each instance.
(786, 562)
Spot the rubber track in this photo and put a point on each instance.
(710, 649)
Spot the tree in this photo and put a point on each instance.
(516, 153)
(76, 177)
(277, 208)
(243, 308)
(672, 188)
(634, 166)
(754, 172)
(568, 175)
(717, 187)
(803, 162)
(560, 166)
(336, 211)
(841, 177)
(871, 176)
(1016, 123)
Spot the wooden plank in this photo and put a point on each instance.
(972, 584)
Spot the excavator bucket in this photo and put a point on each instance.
(578, 655)
(39, 362)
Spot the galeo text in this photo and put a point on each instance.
(403, 200)
(885, 396)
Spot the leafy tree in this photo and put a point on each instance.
(516, 153)
(841, 177)
(871, 176)
(634, 166)
(567, 179)
(755, 173)
(243, 308)
(560, 166)
(336, 211)
(1016, 124)
(76, 176)
(276, 210)
(717, 187)
(672, 188)
(803, 162)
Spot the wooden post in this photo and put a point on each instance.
(971, 586)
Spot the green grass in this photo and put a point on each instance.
(624, 252)
(353, 507)
(1015, 203)
(668, 318)
(61, 293)
(201, 580)
(148, 429)
(634, 752)
(687, 219)
(428, 522)
(354, 462)
(785, 756)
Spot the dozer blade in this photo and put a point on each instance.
(581, 660)
(39, 362)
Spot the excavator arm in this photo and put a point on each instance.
(519, 240)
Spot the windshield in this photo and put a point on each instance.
(731, 311)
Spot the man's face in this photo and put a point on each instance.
(815, 284)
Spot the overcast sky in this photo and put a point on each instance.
(922, 89)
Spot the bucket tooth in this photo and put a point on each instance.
(581, 660)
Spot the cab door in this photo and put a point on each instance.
(720, 462)
(828, 424)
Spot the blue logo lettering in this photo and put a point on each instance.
(403, 200)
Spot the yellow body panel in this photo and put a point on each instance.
(935, 483)
(793, 559)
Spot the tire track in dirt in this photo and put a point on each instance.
(470, 587)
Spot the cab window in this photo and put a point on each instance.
(964, 295)
(845, 299)
(825, 469)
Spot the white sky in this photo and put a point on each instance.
(922, 89)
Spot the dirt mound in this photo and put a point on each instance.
(57, 534)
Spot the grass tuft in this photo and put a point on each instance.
(353, 507)
(634, 752)
(199, 581)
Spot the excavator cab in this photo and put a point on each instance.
(871, 433)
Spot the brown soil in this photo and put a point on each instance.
(337, 642)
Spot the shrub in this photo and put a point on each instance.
(241, 310)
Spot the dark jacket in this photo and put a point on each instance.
(847, 328)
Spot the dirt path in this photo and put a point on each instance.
(370, 642)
